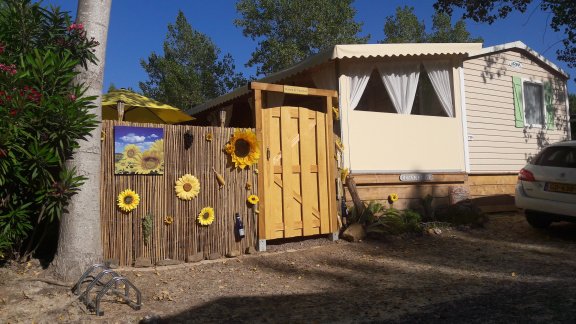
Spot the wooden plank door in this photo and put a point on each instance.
(296, 172)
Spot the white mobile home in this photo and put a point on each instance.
(417, 119)
(516, 102)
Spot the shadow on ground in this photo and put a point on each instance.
(552, 302)
(499, 274)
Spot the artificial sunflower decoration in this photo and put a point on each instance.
(392, 198)
(168, 220)
(131, 151)
(344, 173)
(209, 137)
(253, 199)
(206, 216)
(128, 200)
(150, 162)
(187, 187)
(243, 148)
(339, 145)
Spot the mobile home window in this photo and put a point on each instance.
(376, 99)
(533, 103)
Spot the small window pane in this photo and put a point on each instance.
(426, 101)
(533, 101)
(375, 97)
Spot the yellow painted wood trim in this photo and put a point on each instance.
(280, 88)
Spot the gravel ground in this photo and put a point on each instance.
(505, 272)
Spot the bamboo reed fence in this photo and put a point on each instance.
(122, 236)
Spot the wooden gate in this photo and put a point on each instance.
(298, 171)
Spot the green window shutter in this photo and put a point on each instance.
(549, 102)
(518, 107)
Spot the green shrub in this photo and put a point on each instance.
(381, 221)
(428, 211)
(43, 115)
(394, 222)
(371, 212)
(462, 213)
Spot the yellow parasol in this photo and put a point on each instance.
(129, 106)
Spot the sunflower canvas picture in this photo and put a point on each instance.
(138, 150)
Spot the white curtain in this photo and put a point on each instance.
(439, 74)
(358, 75)
(401, 81)
(325, 78)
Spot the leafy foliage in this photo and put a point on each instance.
(379, 220)
(394, 222)
(428, 211)
(370, 213)
(462, 213)
(288, 31)
(561, 11)
(444, 32)
(191, 70)
(42, 118)
(405, 27)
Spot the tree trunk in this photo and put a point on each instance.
(358, 204)
(79, 242)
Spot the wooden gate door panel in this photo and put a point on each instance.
(273, 177)
(296, 177)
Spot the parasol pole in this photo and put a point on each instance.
(120, 106)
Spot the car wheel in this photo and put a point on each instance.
(537, 220)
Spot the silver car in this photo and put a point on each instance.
(546, 187)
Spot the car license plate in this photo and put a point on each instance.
(561, 187)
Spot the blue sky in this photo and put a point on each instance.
(143, 137)
(139, 27)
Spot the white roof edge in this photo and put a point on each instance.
(518, 45)
(348, 51)
(403, 49)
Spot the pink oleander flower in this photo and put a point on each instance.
(31, 94)
(10, 69)
(75, 27)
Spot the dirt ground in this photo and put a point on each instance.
(505, 272)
